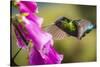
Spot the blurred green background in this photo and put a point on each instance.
(74, 50)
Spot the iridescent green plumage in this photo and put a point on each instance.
(69, 25)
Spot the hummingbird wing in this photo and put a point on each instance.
(56, 32)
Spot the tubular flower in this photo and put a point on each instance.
(42, 50)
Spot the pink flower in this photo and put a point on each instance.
(42, 51)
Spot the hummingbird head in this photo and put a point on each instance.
(90, 27)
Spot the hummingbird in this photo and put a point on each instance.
(64, 26)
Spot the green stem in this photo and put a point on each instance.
(17, 53)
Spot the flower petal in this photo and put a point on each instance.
(36, 19)
(39, 37)
(35, 57)
(53, 56)
(50, 54)
(27, 7)
(47, 56)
